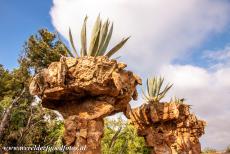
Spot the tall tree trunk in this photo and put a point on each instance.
(5, 119)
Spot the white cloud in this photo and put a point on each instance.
(208, 93)
(218, 58)
(161, 31)
(220, 55)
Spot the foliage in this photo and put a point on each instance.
(100, 38)
(28, 122)
(42, 49)
(154, 90)
(10, 82)
(126, 140)
(177, 100)
(209, 151)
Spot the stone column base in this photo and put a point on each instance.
(83, 134)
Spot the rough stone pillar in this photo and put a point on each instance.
(85, 90)
(168, 128)
(85, 134)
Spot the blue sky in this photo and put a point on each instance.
(19, 20)
(187, 42)
(215, 42)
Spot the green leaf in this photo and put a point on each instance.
(84, 39)
(72, 43)
(95, 37)
(117, 47)
(147, 84)
(145, 96)
(103, 35)
(162, 94)
(154, 85)
(107, 40)
(95, 48)
(159, 84)
(68, 51)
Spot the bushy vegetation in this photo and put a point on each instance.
(120, 137)
(154, 90)
(209, 151)
(99, 41)
(25, 122)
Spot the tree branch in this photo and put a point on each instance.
(5, 118)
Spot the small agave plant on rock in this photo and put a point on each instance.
(86, 88)
(168, 127)
(154, 90)
(100, 38)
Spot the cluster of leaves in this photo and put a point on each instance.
(209, 151)
(154, 90)
(120, 137)
(100, 38)
(213, 151)
(177, 100)
(27, 122)
(42, 49)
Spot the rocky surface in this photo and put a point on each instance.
(85, 90)
(168, 128)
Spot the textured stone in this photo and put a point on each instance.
(168, 128)
(85, 90)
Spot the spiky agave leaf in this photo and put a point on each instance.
(103, 34)
(118, 57)
(161, 80)
(146, 97)
(148, 87)
(84, 38)
(100, 38)
(69, 52)
(158, 83)
(155, 97)
(154, 89)
(163, 93)
(177, 100)
(95, 49)
(59, 39)
(117, 47)
(95, 37)
(107, 40)
(72, 42)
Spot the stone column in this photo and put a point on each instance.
(168, 128)
(85, 90)
(84, 134)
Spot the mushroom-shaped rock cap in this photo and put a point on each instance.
(84, 79)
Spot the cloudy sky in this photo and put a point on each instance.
(186, 41)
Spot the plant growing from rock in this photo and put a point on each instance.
(99, 41)
(167, 127)
(88, 88)
(155, 92)
(91, 87)
(177, 100)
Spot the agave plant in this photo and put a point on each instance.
(177, 100)
(100, 38)
(154, 90)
